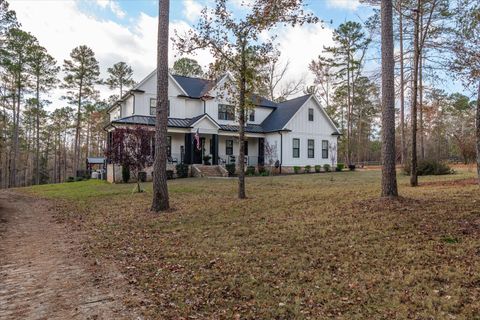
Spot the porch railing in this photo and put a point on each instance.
(233, 159)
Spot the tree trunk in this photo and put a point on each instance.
(241, 128)
(420, 94)
(402, 90)
(349, 101)
(416, 59)
(76, 156)
(477, 131)
(37, 147)
(160, 188)
(389, 176)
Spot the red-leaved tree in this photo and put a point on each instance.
(132, 148)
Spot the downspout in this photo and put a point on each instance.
(281, 150)
(204, 105)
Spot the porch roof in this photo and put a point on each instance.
(252, 128)
(150, 121)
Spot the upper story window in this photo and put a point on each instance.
(310, 114)
(251, 116)
(226, 112)
(153, 107)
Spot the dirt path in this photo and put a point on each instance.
(43, 274)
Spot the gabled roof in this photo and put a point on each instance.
(194, 87)
(283, 113)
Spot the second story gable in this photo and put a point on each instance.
(188, 97)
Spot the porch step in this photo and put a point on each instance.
(208, 171)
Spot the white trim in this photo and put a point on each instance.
(209, 118)
(154, 72)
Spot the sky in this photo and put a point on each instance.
(126, 30)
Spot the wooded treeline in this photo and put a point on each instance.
(428, 36)
(36, 145)
(435, 42)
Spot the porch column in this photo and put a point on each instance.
(214, 149)
(188, 149)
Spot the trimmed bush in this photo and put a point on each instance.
(308, 168)
(326, 167)
(318, 168)
(231, 168)
(261, 169)
(351, 167)
(340, 167)
(182, 170)
(429, 168)
(296, 169)
(125, 174)
(250, 171)
(169, 174)
(79, 179)
(265, 173)
(70, 179)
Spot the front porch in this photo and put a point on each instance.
(213, 149)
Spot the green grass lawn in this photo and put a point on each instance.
(309, 246)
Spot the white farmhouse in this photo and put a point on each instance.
(296, 132)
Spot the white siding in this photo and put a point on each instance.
(301, 128)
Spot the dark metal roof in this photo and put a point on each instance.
(150, 121)
(252, 128)
(194, 87)
(263, 102)
(284, 112)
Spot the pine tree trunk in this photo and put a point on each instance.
(389, 179)
(402, 89)
(477, 133)
(76, 156)
(160, 188)
(349, 102)
(416, 59)
(37, 148)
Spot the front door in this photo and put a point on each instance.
(198, 154)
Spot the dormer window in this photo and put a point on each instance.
(251, 117)
(226, 112)
(310, 114)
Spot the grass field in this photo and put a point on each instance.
(310, 246)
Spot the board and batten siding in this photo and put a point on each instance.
(301, 128)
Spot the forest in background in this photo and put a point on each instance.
(39, 146)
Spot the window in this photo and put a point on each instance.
(153, 107)
(169, 146)
(245, 147)
(310, 114)
(325, 149)
(251, 117)
(226, 112)
(296, 148)
(311, 148)
(229, 147)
